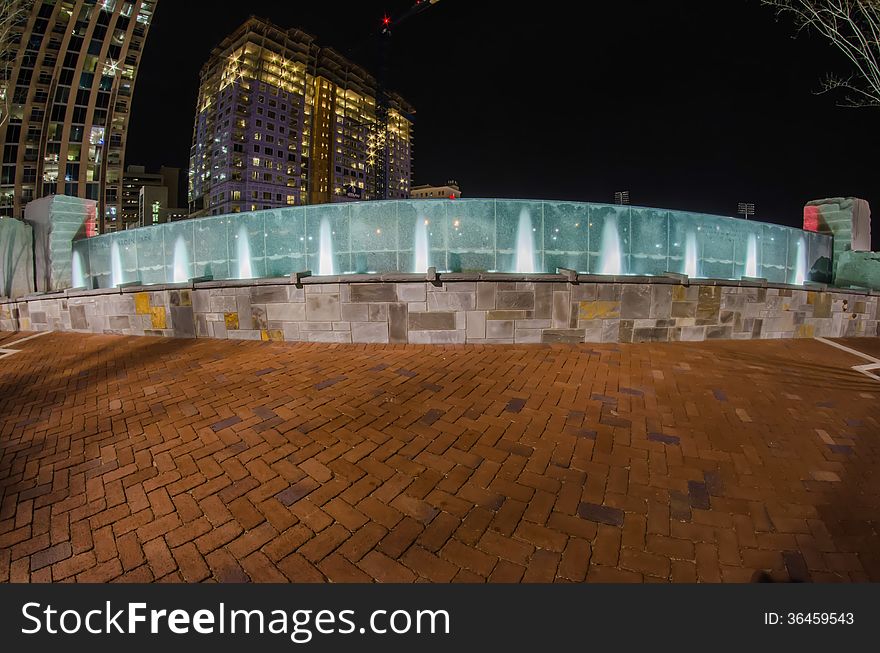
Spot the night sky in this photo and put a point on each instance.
(687, 104)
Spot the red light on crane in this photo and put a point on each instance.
(386, 20)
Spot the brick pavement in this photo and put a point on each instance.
(141, 459)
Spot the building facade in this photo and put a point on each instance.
(70, 91)
(146, 194)
(450, 191)
(282, 121)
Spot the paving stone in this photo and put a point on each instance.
(703, 461)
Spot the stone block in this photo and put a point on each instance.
(258, 318)
(372, 292)
(719, 332)
(218, 330)
(355, 312)
(286, 312)
(693, 334)
(561, 314)
(369, 332)
(476, 325)
(650, 334)
(378, 312)
(485, 296)
(249, 334)
(516, 300)
(323, 308)
(120, 322)
(182, 321)
(661, 300)
(202, 327)
(315, 326)
(291, 331)
(451, 301)
(437, 337)
(417, 307)
(142, 303)
(295, 294)
(245, 317)
(708, 304)
(328, 336)
(635, 301)
(567, 336)
(268, 294)
(599, 309)
(158, 318)
(231, 320)
(411, 292)
(223, 304)
(508, 315)
(584, 292)
(534, 324)
(527, 336)
(431, 321)
(499, 329)
(397, 323)
(610, 330)
(201, 301)
(543, 300)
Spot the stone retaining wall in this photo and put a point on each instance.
(534, 310)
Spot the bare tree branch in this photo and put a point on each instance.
(853, 27)
(13, 13)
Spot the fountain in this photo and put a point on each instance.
(609, 255)
(752, 256)
(525, 244)
(116, 264)
(243, 252)
(690, 255)
(423, 252)
(326, 265)
(181, 261)
(800, 270)
(77, 275)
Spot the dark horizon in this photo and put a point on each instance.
(685, 106)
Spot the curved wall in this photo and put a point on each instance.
(463, 235)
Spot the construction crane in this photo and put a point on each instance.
(379, 131)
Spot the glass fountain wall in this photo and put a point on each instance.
(463, 235)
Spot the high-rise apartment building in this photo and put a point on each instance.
(282, 121)
(70, 90)
(161, 187)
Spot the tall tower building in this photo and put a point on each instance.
(282, 121)
(70, 89)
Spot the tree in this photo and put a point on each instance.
(12, 13)
(853, 27)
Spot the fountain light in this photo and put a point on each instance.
(243, 250)
(752, 256)
(525, 244)
(691, 264)
(610, 259)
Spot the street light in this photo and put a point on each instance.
(745, 209)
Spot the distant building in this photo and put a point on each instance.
(146, 195)
(69, 89)
(283, 121)
(450, 191)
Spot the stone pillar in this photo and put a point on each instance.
(16, 258)
(847, 219)
(56, 221)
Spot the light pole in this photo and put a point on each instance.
(745, 209)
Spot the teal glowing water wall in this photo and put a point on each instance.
(464, 235)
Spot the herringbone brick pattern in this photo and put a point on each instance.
(142, 459)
